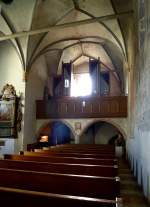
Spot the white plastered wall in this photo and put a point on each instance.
(36, 82)
(138, 145)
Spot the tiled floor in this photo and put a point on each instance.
(130, 192)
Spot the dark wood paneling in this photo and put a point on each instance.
(93, 107)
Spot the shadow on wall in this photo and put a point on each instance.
(117, 140)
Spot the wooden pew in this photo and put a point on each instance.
(70, 148)
(73, 160)
(86, 146)
(84, 151)
(92, 170)
(77, 185)
(24, 198)
(68, 154)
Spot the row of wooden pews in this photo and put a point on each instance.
(67, 175)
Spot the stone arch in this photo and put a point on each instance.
(45, 123)
(109, 121)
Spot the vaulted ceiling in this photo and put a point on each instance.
(57, 40)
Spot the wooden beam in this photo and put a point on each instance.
(65, 25)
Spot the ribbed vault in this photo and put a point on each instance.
(105, 39)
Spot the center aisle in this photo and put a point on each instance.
(130, 191)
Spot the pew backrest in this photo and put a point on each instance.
(70, 154)
(92, 161)
(77, 185)
(25, 198)
(93, 170)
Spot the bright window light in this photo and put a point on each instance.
(81, 85)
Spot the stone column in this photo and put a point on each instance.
(77, 139)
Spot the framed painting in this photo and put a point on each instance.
(8, 118)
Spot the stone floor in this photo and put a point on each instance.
(130, 191)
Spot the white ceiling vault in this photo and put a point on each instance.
(104, 38)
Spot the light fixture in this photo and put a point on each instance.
(44, 138)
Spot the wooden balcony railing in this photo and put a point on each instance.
(89, 107)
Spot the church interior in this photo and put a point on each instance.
(74, 90)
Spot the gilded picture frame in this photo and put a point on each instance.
(8, 118)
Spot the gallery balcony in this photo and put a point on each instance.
(82, 107)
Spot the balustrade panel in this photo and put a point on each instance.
(91, 107)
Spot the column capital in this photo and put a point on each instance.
(25, 76)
